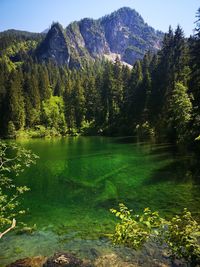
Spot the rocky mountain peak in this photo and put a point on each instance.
(125, 15)
(123, 33)
(128, 35)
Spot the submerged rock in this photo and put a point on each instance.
(65, 260)
(29, 262)
(112, 260)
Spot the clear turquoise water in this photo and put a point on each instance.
(77, 180)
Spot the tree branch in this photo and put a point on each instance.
(10, 228)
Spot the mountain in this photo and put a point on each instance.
(122, 33)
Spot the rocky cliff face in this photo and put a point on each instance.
(128, 35)
(123, 33)
(54, 46)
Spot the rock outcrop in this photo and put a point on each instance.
(54, 46)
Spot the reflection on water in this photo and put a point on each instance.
(77, 180)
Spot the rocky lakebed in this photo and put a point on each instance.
(110, 256)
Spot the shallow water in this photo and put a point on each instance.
(77, 180)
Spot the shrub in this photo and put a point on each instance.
(181, 234)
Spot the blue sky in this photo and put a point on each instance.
(37, 15)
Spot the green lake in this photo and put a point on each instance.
(78, 179)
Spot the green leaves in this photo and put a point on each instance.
(53, 113)
(181, 233)
(134, 230)
(13, 160)
(180, 108)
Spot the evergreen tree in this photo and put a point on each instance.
(106, 92)
(58, 91)
(118, 88)
(4, 75)
(181, 57)
(145, 89)
(69, 108)
(136, 99)
(43, 82)
(163, 76)
(78, 100)
(32, 99)
(91, 98)
(15, 101)
(180, 109)
(194, 83)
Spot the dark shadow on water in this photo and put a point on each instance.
(126, 140)
(180, 170)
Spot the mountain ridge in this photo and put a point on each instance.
(122, 33)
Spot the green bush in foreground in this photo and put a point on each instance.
(181, 234)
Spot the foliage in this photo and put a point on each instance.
(11, 132)
(197, 138)
(53, 113)
(13, 161)
(134, 230)
(181, 233)
(145, 130)
(15, 107)
(180, 109)
(194, 83)
(182, 237)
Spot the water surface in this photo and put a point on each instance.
(77, 180)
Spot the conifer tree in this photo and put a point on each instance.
(194, 83)
(138, 93)
(180, 108)
(91, 98)
(69, 108)
(181, 57)
(145, 95)
(15, 101)
(32, 99)
(43, 82)
(78, 101)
